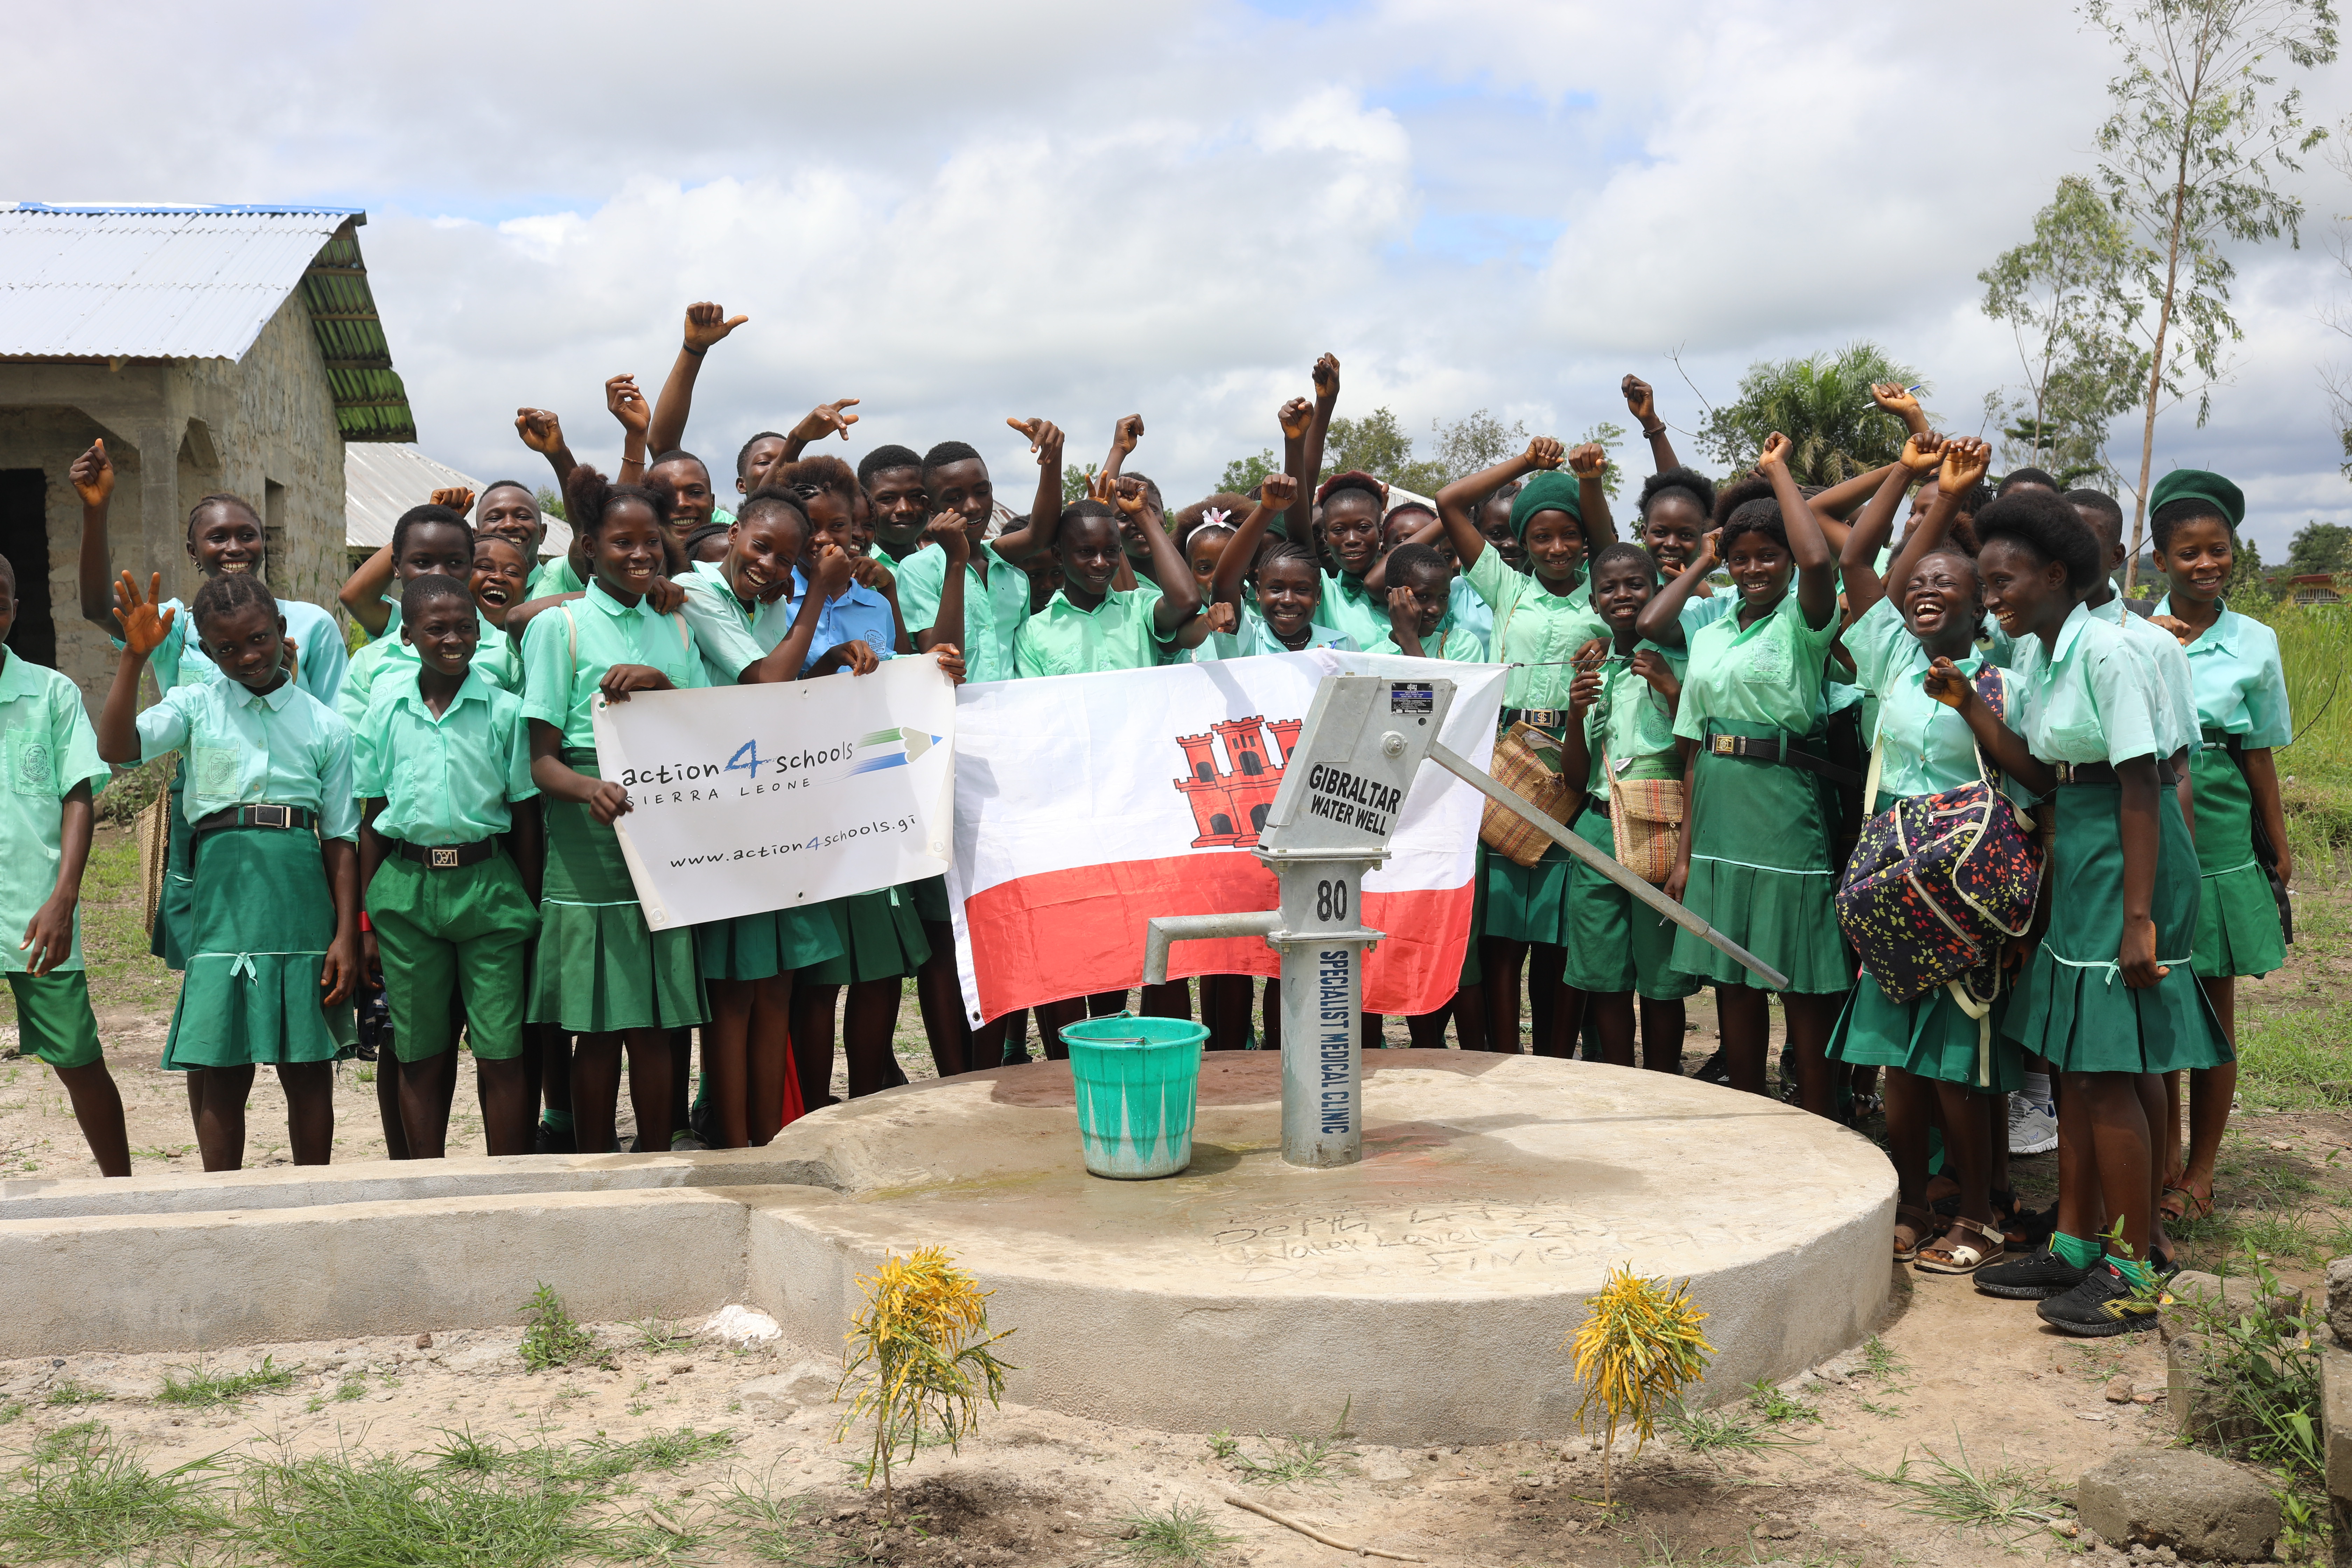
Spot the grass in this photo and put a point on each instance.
(776, 1529)
(1177, 1536)
(197, 1388)
(551, 1339)
(68, 1390)
(2005, 1500)
(1725, 1434)
(1775, 1407)
(1287, 1462)
(81, 1498)
(656, 1337)
(340, 1511)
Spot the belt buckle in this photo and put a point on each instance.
(2065, 772)
(1543, 718)
(1724, 745)
(272, 815)
(441, 858)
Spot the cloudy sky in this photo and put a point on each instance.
(958, 212)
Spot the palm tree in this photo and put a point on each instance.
(1822, 404)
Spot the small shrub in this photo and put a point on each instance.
(551, 1339)
(922, 1342)
(1638, 1346)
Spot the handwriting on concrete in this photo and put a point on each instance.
(1425, 1240)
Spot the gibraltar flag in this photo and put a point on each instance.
(1084, 805)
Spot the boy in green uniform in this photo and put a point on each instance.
(51, 755)
(443, 760)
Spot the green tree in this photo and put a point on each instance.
(1378, 446)
(1608, 437)
(1075, 480)
(2246, 571)
(1477, 441)
(2188, 155)
(2064, 297)
(550, 504)
(2319, 547)
(1243, 475)
(1822, 405)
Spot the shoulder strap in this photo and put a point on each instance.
(1993, 685)
(1870, 783)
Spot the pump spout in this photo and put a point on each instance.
(1161, 930)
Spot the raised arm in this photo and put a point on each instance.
(1642, 403)
(1661, 620)
(1590, 464)
(1453, 502)
(1123, 438)
(1964, 463)
(144, 628)
(706, 324)
(544, 433)
(1327, 398)
(1297, 417)
(362, 592)
(1179, 591)
(1045, 510)
(1899, 401)
(628, 405)
(826, 419)
(1816, 567)
(1858, 556)
(1273, 498)
(93, 480)
(946, 629)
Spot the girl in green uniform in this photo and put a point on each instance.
(1756, 859)
(1621, 729)
(2109, 995)
(1942, 1065)
(273, 918)
(2240, 686)
(602, 974)
(1542, 620)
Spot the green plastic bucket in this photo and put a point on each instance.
(1137, 1081)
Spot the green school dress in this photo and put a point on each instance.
(2241, 691)
(1616, 942)
(1760, 866)
(1537, 632)
(2087, 700)
(48, 749)
(599, 967)
(1922, 748)
(260, 914)
(733, 636)
(448, 781)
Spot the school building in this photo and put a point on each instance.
(214, 348)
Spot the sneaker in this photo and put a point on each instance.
(2032, 1126)
(548, 1140)
(1712, 1070)
(2104, 1303)
(684, 1142)
(2034, 1279)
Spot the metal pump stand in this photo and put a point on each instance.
(1343, 785)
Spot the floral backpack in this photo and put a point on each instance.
(1938, 883)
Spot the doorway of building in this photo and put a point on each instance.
(25, 540)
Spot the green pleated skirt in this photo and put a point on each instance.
(1616, 942)
(880, 937)
(1929, 1036)
(930, 896)
(2072, 1006)
(764, 945)
(260, 917)
(600, 968)
(1529, 903)
(1760, 872)
(2238, 930)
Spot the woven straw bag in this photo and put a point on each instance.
(152, 827)
(1525, 761)
(1645, 818)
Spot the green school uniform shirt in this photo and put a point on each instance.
(567, 649)
(1117, 633)
(1925, 747)
(993, 612)
(2088, 698)
(1771, 672)
(1632, 724)
(319, 654)
(732, 638)
(49, 747)
(243, 748)
(1347, 606)
(444, 780)
(1255, 636)
(495, 656)
(1533, 628)
(2171, 685)
(2239, 678)
(555, 576)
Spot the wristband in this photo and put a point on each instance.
(1651, 434)
(696, 352)
(364, 922)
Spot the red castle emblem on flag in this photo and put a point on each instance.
(1230, 804)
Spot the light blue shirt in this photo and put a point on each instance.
(2170, 685)
(733, 637)
(1465, 608)
(2239, 678)
(566, 650)
(319, 644)
(994, 611)
(859, 615)
(1348, 605)
(286, 748)
(1254, 636)
(1925, 747)
(2089, 699)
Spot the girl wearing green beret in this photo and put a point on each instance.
(2240, 686)
(1540, 621)
(1757, 860)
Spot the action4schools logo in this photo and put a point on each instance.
(1230, 801)
(749, 771)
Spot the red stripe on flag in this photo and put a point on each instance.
(1072, 933)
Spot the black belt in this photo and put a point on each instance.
(1599, 802)
(1541, 718)
(254, 817)
(1766, 749)
(444, 857)
(2104, 774)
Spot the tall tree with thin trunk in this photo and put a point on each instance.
(2198, 130)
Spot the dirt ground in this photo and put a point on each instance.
(1952, 1376)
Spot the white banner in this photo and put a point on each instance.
(746, 798)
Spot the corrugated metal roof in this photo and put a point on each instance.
(381, 479)
(160, 281)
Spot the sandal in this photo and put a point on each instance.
(1963, 1257)
(1920, 1222)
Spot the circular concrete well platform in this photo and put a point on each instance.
(1426, 1292)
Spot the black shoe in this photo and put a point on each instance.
(2034, 1279)
(702, 1121)
(2104, 1303)
(548, 1140)
(1712, 1070)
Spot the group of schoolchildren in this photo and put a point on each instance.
(425, 819)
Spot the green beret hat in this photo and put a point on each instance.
(2199, 484)
(1554, 489)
